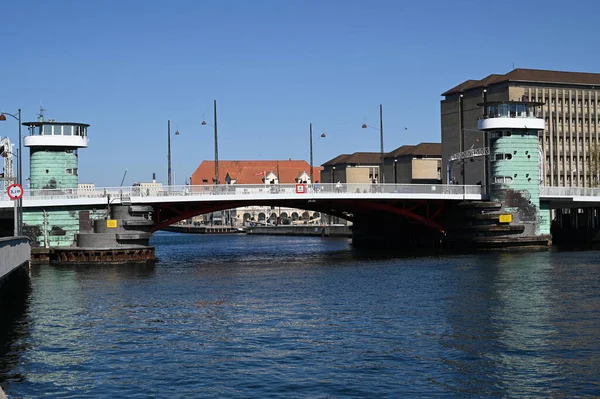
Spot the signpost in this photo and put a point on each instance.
(15, 193)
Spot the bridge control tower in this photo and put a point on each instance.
(54, 165)
(53, 159)
(515, 168)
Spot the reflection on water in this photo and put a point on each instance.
(248, 316)
(14, 323)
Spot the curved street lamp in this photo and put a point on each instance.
(364, 126)
(381, 166)
(19, 220)
(323, 135)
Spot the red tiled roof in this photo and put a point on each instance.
(530, 75)
(252, 172)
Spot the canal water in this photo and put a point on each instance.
(259, 316)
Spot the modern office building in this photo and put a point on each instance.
(569, 105)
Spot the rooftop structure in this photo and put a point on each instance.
(53, 153)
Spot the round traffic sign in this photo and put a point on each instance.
(14, 191)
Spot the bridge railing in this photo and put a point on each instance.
(570, 191)
(250, 189)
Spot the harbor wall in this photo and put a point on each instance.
(305, 230)
(14, 252)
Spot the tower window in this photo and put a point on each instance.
(503, 179)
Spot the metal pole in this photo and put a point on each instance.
(311, 156)
(462, 138)
(20, 181)
(484, 143)
(216, 147)
(169, 153)
(381, 177)
(16, 217)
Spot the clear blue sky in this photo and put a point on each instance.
(126, 67)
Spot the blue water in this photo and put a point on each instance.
(250, 316)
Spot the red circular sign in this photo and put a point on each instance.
(14, 191)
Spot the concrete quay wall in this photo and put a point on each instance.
(14, 252)
(303, 230)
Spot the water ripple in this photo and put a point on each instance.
(238, 317)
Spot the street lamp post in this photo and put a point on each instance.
(216, 143)
(323, 135)
(216, 152)
(169, 153)
(382, 177)
(19, 171)
(169, 171)
(364, 126)
(395, 171)
(311, 156)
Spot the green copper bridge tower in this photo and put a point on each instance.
(515, 165)
(54, 166)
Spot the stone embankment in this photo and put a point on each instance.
(302, 230)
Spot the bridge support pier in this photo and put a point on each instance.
(123, 237)
(577, 227)
(491, 225)
(395, 234)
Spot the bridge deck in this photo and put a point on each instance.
(138, 195)
(556, 196)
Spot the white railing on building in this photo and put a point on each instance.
(547, 191)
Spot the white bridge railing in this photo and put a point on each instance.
(256, 189)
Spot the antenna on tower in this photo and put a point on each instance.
(41, 114)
